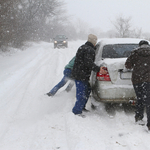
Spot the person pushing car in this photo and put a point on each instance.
(139, 61)
(83, 65)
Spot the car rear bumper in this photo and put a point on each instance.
(60, 44)
(108, 92)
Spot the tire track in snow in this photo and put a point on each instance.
(26, 85)
(26, 81)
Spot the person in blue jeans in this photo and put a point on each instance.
(65, 79)
(83, 65)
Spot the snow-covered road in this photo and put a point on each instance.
(30, 120)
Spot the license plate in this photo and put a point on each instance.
(125, 75)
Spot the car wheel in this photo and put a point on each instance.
(128, 108)
(55, 45)
(110, 109)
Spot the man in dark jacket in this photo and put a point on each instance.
(83, 65)
(139, 61)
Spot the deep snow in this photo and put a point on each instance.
(30, 120)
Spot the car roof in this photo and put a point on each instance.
(119, 41)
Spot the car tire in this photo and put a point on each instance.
(110, 109)
(128, 108)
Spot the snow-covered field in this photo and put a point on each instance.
(30, 120)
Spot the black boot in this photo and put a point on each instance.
(49, 94)
(138, 118)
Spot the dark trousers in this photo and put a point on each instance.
(143, 100)
(83, 90)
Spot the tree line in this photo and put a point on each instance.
(41, 20)
(24, 20)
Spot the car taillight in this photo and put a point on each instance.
(103, 77)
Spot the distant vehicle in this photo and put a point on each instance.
(116, 86)
(60, 41)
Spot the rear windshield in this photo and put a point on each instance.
(118, 50)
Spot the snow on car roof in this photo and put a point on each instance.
(120, 40)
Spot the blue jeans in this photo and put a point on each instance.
(67, 76)
(83, 90)
(142, 91)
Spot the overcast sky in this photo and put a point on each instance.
(100, 13)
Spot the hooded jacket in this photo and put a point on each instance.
(84, 62)
(139, 61)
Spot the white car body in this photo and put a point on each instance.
(119, 89)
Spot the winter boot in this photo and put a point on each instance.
(49, 94)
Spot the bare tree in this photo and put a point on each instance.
(82, 29)
(40, 15)
(137, 33)
(22, 20)
(122, 26)
(7, 21)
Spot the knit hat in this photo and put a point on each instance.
(143, 42)
(92, 38)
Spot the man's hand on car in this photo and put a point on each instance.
(103, 70)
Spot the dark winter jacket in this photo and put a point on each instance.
(139, 61)
(84, 62)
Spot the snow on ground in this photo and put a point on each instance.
(30, 120)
